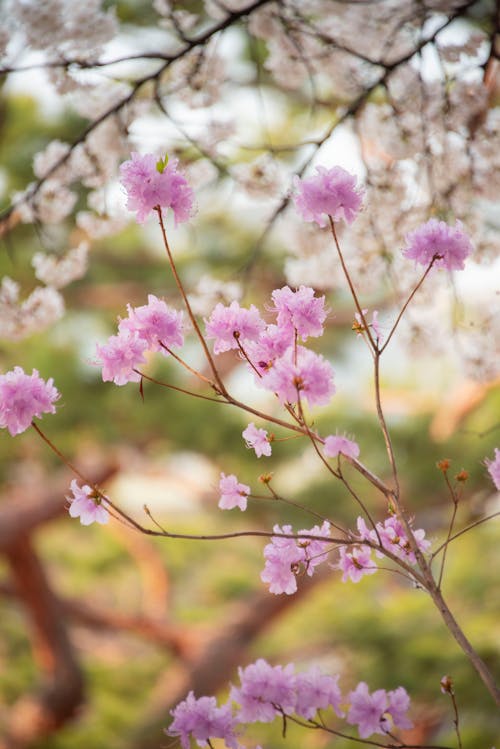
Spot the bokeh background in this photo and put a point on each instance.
(103, 630)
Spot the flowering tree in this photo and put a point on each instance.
(311, 56)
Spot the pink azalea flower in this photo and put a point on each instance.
(147, 187)
(300, 311)
(300, 372)
(374, 324)
(399, 704)
(119, 356)
(262, 687)
(86, 505)
(332, 192)
(394, 538)
(334, 445)
(435, 238)
(202, 720)
(493, 467)
(316, 691)
(232, 493)
(286, 556)
(356, 563)
(228, 325)
(367, 710)
(271, 344)
(22, 397)
(257, 438)
(153, 323)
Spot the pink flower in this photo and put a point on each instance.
(493, 467)
(149, 186)
(22, 397)
(202, 720)
(228, 325)
(300, 311)
(394, 538)
(316, 691)
(232, 493)
(86, 505)
(271, 344)
(399, 704)
(303, 373)
(356, 563)
(120, 356)
(262, 687)
(257, 438)
(435, 239)
(153, 323)
(367, 710)
(374, 324)
(285, 557)
(332, 192)
(334, 444)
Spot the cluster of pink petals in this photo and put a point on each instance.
(231, 324)
(355, 563)
(300, 311)
(436, 239)
(331, 192)
(300, 373)
(266, 692)
(378, 712)
(232, 493)
(336, 444)
(202, 720)
(145, 329)
(22, 397)
(86, 505)
(148, 187)
(286, 557)
(394, 538)
(493, 467)
(257, 439)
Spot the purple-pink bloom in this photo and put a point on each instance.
(22, 397)
(393, 536)
(286, 556)
(332, 192)
(233, 324)
(86, 505)
(399, 704)
(233, 494)
(493, 467)
(257, 439)
(120, 356)
(355, 563)
(154, 323)
(367, 710)
(271, 344)
(300, 311)
(300, 373)
(435, 239)
(202, 720)
(316, 691)
(335, 444)
(263, 687)
(147, 187)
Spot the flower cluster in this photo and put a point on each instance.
(152, 327)
(150, 184)
(286, 557)
(394, 538)
(291, 371)
(435, 239)
(330, 192)
(266, 692)
(22, 397)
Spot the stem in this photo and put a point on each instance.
(187, 366)
(190, 312)
(405, 305)
(465, 530)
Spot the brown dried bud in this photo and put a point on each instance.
(443, 465)
(462, 476)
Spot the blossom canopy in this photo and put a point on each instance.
(331, 192)
(22, 397)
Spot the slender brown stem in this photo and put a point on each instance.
(59, 454)
(178, 389)
(187, 366)
(405, 305)
(464, 530)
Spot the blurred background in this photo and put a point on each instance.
(104, 630)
